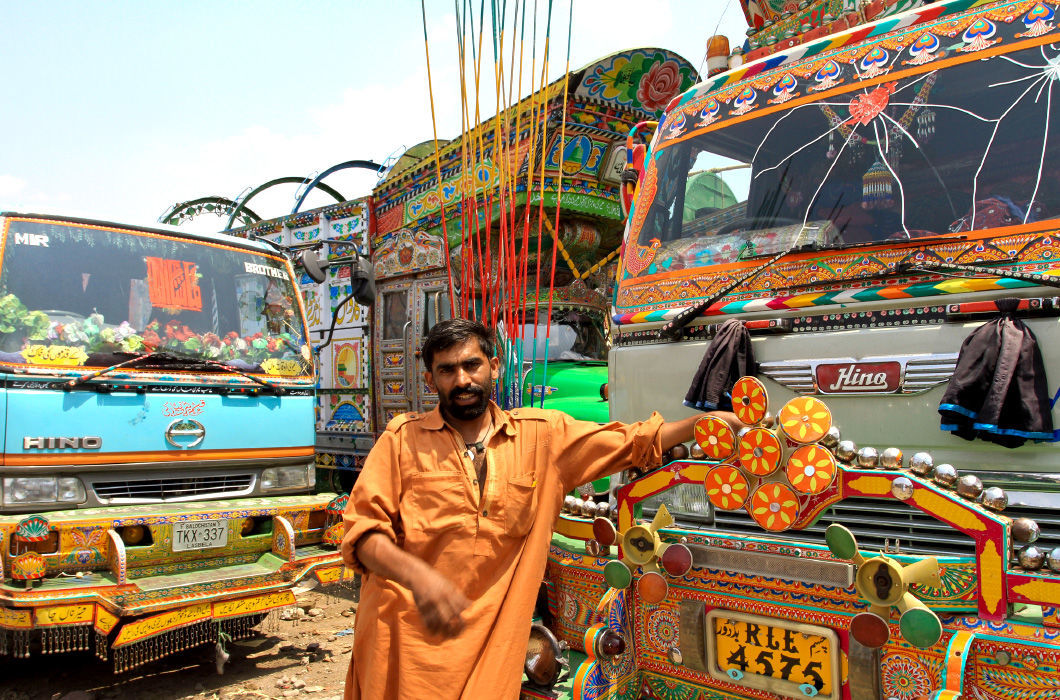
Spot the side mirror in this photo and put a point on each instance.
(362, 279)
(362, 274)
(313, 265)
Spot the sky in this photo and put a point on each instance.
(119, 110)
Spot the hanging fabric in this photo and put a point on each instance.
(998, 391)
(728, 357)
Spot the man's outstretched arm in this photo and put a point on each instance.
(440, 602)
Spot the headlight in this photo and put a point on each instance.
(33, 490)
(287, 477)
(684, 500)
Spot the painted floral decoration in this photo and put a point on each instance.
(659, 85)
(644, 80)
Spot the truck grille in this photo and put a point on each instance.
(920, 372)
(874, 522)
(173, 489)
(1048, 520)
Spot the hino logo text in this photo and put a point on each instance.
(62, 443)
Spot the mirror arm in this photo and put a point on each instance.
(335, 317)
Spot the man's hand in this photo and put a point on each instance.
(440, 602)
(680, 431)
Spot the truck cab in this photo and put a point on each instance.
(880, 189)
(157, 418)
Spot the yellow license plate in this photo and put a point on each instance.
(788, 658)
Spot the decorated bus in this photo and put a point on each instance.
(877, 283)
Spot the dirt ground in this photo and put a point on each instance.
(305, 656)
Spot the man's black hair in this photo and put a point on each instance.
(455, 331)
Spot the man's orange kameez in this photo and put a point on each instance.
(418, 487)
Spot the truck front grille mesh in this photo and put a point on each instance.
(173, 489)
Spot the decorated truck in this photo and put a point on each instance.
(887, 525)
(336, 239)
(157, 471)
(516, 222)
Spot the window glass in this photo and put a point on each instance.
(571, 335)
(395, 314)
(78, 295)
(436, 308)
(955, 149)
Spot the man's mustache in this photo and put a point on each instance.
(471, 391)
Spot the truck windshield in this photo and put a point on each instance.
(969, 146)
(571, 335)
(81, 295)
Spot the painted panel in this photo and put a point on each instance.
(406, 251)
(129, 423)
(352, 227)
(452, 191)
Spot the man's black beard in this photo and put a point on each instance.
(470, 412)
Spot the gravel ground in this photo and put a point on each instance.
(304, 656)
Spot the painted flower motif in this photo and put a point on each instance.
(1038, 21)
(924, 49)
(760, 451)
(715, 437)
(658, 86)
(709, 114)
(979, 35)
(805, 419)
(811, 469)
(726, 487)
(749, 400)
(904, 678)
(570, 606)
(663, 628)
(745, 101)
(774, 507)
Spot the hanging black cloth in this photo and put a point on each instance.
(998, 391)
(728, 357)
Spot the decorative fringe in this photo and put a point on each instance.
(925, 124)
(241, 627)
(137, 654)
(59, 640)
(205, 632)
(877, 187)
(15, 643)
(102, 646)
(271, 623)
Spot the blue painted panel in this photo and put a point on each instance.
(138, 422)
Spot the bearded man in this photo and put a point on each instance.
(450, 520)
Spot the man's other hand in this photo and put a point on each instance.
(440, 602)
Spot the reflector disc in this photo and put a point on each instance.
(726, 487)
(760, 451)
(774, 507)
(805, 419)
(715, 437)
(811, 469)
(749, 400)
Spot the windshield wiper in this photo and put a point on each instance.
(183, 360)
